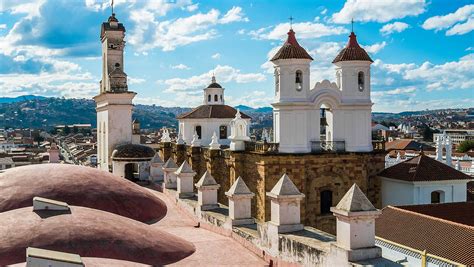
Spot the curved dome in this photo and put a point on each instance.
(214, 85)
(133, 152)
(80, 186)
(89, 233)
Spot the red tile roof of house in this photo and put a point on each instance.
(406, 144)
(291, 49)
(438, 236)
(352, 51)
(212, 111)
(423, 168)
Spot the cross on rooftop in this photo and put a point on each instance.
(291, 21)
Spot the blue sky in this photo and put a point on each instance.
(423, 50)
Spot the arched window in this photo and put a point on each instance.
(215, 98)
(326, 201)
(208, 98)
(361, 81)
(437, 197)
(221, 98)
(277, 80)
(198, 131)
(223, 132)
(299, 80)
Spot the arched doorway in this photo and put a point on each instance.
(437, 197)
(131, 171)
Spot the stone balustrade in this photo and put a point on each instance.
(283, 240)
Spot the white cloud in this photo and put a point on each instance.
(268, 65)
(224, 74)
(462, 28)
(375, 48)
(255, 99)
(450, 75)
(167, 35)
(398, 91)
(132, 80)
(192, 8)
(324, 11)
(443, 22)
(3, 26)
(379, 11)
(470, 48)
(180, 67)
(233, 15)
(304, 30)
(394, 27)
(216, 56)
(29, 7)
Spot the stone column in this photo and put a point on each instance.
(166, 150)
(185, 175)
(180, 153)
(169, 176)
(285, 206)
(156, 169)
(356, 226)
(207, 192)
(240, 203)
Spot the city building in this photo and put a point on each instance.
(422, 180)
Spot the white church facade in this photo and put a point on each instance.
(344, 105)
(213, 116)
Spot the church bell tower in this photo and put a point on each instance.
(114, 102)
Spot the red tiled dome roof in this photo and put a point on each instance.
(89, 233)
(81, 186)
(212, 111)
(352, 51)
(291, 49)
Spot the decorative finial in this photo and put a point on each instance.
(213, 79)
(291, 22)
(112, 5)
(352, 25)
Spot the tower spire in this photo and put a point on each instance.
(352, 25)
(291, 22)
(112, 5)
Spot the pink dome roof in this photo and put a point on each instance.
(89, 233)
(80, 186)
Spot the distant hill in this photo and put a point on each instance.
(32, 111)
(19, 98)
(42, 112)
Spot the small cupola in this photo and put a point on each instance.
(352, 51)
(214, 93)
(291, 49)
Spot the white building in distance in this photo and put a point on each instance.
(422, 180)
(212, 116)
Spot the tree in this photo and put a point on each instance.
(66, 130)
(466, 146)
(427, 133)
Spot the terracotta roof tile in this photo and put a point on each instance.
(212, 111)
(291, 49)
(352, 51)
(406, 144)
(459, 212)
(423, 168)
(447, 239)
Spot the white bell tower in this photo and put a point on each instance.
(354, 116)
(114, 102)
(290, 118)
